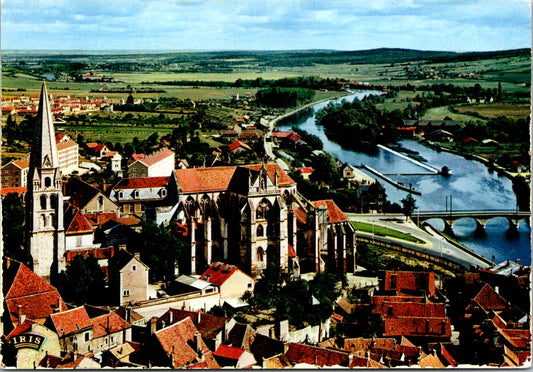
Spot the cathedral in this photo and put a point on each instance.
(251, 216)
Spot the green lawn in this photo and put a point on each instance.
(384, 231)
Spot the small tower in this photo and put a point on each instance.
(45, 237)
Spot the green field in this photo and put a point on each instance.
(384, 231)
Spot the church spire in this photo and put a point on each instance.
(44, 149)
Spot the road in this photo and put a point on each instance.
(434, 244)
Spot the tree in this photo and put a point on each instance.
(160, 250)
(13, 227)
(408, 205)
(129, 100)
(83, 281)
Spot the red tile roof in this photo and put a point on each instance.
(16, 190)
(488, 299)
(218, 178)
(298, 353)
(218, 273)
(281, 134)
(22, 163)
(142, 183)
(209, 325)
(417, 326)
(175, 341)
(157, 157)
(292, 252)
(305, 170)
(334, 213)
(229, 352)
(107, 324)
(71, 321)
(98, 219)
(98, 253)
(236, 144)
(79, 225)
(411, 282)
(378, 300)
(300, 215)
(136, 157)
(412, 309)
(518, 338)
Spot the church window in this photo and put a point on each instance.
(133, 268)
(53, 202)
(47, 182)
(127, 292)
(262, 209)
(260, 231)
(43, 220)
(260, 254)
(44, 201)
(100, 203)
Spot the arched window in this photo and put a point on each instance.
(262, 209)
(43, 220)
(44, 202)
(53, 202)
(260, 230)
(260, 254)
(100, 203)
(47, 182)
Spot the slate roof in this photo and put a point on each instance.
(37, 298)
(175, 341)
(241, 335)
(71, 321)
(299, 353)
(264, 347)
(80, 192)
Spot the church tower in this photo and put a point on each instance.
(45, 237)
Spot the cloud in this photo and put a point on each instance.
(257, 24)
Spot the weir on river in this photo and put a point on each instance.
(420, 164)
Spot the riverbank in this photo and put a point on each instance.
(489, 164)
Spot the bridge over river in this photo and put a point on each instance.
(480, 217)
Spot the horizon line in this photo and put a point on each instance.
(250, 50)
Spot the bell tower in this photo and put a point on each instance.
(45, 237)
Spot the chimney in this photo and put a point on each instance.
(137, 255)
(170, 316)
(497, 289)
(21, 317)
(153, 325)
(271, 332)
(198, 343)
(199, 317)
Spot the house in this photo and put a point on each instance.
(409, 283)
(231, 281)
(306, 172)
(74, 329)
(87, 198)
(238, 147)
(26, 345)
(96, 150)
(88, 329)
(211, 327)
(124, 355)
(158, 164)
(151, 198)
(229, 356)
(15, 173)
(299, 354)
(128, 277)
(440, 135)
(114, 161)
(27, 296)
(72, 360)
(79, 233)
(187, 284)
(179, 346)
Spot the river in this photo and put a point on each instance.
(470, 187)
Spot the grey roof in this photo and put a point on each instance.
(44, 149)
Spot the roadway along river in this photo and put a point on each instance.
(470, 187)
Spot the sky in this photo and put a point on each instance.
(447, 25)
